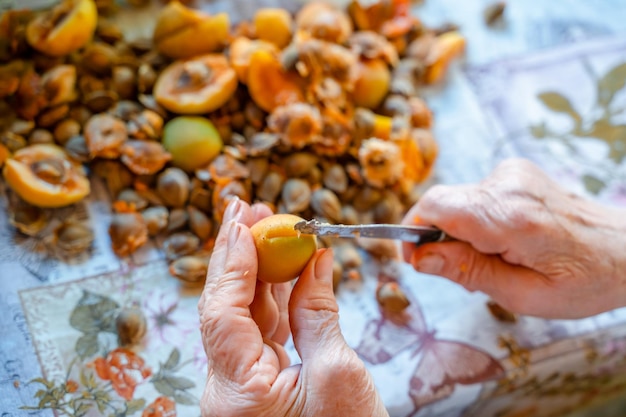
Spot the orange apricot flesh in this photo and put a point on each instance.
(30, 173)
(195, 86)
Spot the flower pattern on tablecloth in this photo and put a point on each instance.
(104, 378)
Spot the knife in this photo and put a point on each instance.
(415, 234)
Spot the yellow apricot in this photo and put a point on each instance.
(64, 29)
(372, 83)
(282, 252)
(4, 154)
(192, 141)
(45, 176)
(181, 32)
(273, 25)
(382, 126)
(447, 46)
(269, 84)
(240, 51)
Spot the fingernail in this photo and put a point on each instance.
(324, 265)
(233, 233)
(431, 263)
(234, 210)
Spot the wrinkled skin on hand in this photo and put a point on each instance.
(244, 324)
(533, 247)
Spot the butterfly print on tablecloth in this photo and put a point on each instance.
(443, 363)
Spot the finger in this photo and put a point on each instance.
(281, 354)
(260, 211)
(516, 288)
(264, 309)
(313, 310)
(225, 320)
(281, 293)
(239, 211)
(269, 307)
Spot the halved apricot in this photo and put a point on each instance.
(64, 29)
(269, 84)
(372, 83)
(324, 21)
(273, 25)
(45, 176)
(282, 252)
(240, 51)
(447, 46)
(195, 86)
(4, 154)
(181, 32)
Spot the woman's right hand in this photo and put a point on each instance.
(533, 247)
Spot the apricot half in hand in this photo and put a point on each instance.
(196, 86)
(282, 252)
(44, 175)
(181, 32)
(64, 29)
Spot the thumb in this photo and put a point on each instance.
(313, 310)
(515, 287)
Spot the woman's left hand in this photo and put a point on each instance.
(245, 323)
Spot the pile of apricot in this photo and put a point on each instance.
(315, 114)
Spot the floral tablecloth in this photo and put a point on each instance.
(548, 83)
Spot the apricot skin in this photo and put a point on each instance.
(274, 25)
(182, 32)
(72, 33)
(372, 84)
(193, 142)
(269, 85)
(282, 252)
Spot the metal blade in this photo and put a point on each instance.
(415, 234)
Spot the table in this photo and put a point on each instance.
(489, 108)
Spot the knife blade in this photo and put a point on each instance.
(415, 234)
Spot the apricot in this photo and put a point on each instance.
(370, 16)
(195, 86)
(372, 83)
(447, 47)
(45, 176)
(64, 29)
(181, 32)
(241, 49)
(324, 21)
(382, 126)
(269, 84)
(192, 141)
(4, 154)
(273, 25)
(282, 252)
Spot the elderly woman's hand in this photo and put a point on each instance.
(531, 246)
(245, 323)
